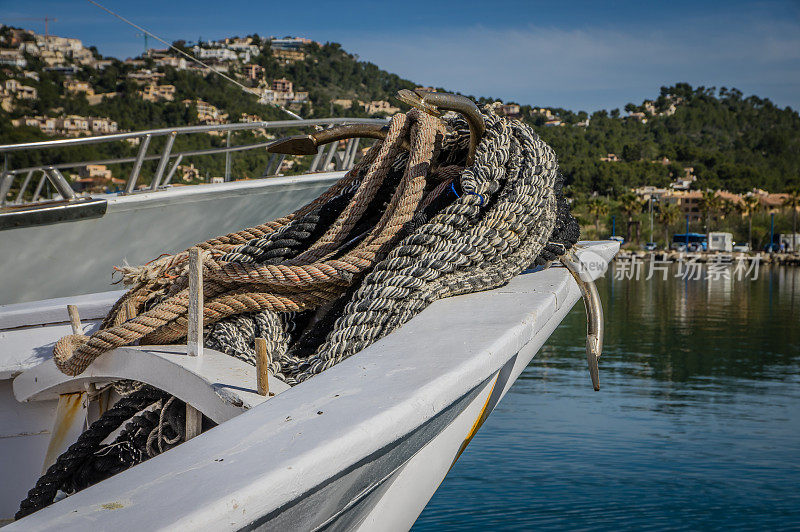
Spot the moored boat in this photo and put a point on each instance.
(363, 445)
(61, 244)
(377, 326)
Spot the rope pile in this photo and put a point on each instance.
(400, 230)
(397, 232)
(311, 272)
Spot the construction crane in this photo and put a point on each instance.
(47, 21)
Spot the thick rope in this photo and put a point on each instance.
(283, 287)
(59, 474)
(469, 230)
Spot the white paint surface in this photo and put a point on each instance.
(268, 456)
(78, 257)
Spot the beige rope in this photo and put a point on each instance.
(308, 281)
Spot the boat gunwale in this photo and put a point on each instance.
(377, 382)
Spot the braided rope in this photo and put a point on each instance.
(282, 287)
(458, 251)
(388, 222)
(399, 231)
(70, 461)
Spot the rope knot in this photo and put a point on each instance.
(67, 356)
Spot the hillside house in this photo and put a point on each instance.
(75, 87)
(207, 113)
(510, 110)
(155, 93)
(380, 106)
(13, 58)
(19, 90)
(253, 72)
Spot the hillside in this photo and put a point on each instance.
(711, 138)
(731, 143)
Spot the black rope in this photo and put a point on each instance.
(149, 432)
(58, 474)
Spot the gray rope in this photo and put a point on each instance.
(503, 220)
(236, 336)
(459, 251)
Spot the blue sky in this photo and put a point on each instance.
(572, 54)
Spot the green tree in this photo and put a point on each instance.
(709, 205)
(792, 202)
(598, 207)
(630, 205)
(727, 207)
(668, 215)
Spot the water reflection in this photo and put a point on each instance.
(697, 424)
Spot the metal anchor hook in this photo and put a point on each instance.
(435, 102)
(308, 144)
(594, 313)
(430, 102)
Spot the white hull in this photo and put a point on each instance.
(364, 445)
(76, 257)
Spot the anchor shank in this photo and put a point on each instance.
(594, 317)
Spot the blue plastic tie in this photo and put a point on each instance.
(453, 188)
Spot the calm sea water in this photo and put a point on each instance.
(696, 425)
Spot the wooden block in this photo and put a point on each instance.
(194, 338)
(262, 366)
(74, 319)
(194, 422)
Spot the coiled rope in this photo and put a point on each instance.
(399, 231)
(64, 473)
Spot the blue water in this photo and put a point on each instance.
(696, 425)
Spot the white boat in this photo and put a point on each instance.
(361, 446)
(154, 222)
(80, 236)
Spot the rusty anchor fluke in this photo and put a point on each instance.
(308, 144)
(435, 102)
(431, 102)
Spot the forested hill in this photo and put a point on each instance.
(731, 141)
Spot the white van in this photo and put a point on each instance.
(720, 242)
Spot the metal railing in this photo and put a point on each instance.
(51, 173)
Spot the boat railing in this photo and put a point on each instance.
(339, 158)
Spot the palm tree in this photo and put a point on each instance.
(792, 201)
(668, 215)
(748, 207)
(630, 204)
(598, 207)
(727, 207)
(709, 204)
